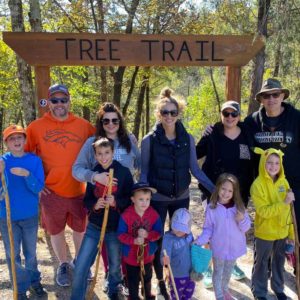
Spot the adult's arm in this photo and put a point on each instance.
(82, 167)
(145, 158)
(136, 151)
(195, 169)
(35, 181)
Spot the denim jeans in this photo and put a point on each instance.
(86, 257)
(25, 234)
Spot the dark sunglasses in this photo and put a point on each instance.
(106, 121)
(59, 100)
(173, 113)
(226, 114)
(268, 96)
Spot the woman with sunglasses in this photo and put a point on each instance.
(110, 124)
(168, 156)
(226, 150)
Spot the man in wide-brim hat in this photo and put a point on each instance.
(277, 125)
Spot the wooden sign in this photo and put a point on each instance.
(87, 49)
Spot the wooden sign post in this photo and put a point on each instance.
(43, 50)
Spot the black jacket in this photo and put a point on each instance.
(285, 137)
(169, 170)
(212, 146)
(122, 197)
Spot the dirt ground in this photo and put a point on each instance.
(48, 264)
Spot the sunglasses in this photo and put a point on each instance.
(106, 121)
(226, 114)
(173, 113)
(268, 96)
(59, 100)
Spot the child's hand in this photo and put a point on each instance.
(139, 241)
(290, 197)
(103, 178)
(20, 172)
(101, 203)
(111, 200)
(239, 216)
(2, 166)
(142, 233)
(166, 260)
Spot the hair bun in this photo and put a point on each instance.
(166, 92)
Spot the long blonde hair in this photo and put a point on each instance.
(236, 197)
(165, 97)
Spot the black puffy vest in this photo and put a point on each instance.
(169, 169)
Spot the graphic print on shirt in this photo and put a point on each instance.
(61, 137)
(136, 225)
(119, 153)
(244, 152)
(273, 137)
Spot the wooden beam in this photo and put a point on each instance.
(233, 83)
(88, 49)
(42, 83)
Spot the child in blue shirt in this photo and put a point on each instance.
(177, 243)
(24, 176)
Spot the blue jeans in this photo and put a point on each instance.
(86, 257)
(25, 234)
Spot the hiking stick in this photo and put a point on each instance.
(102, 234)
(172, 277)
(140, 260)
(11, 238)
(296, 249)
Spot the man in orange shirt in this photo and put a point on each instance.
(57, 138)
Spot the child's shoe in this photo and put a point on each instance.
(123, 290)
(38, 290)
(163, 290)
(22, 296)
(207, 279)
(237, 273)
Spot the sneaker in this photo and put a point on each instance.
(123, 290)
(162, 290)
(207, 279)
(281, 296)
(237, 273)
(22, 296)
(73, 263)
(63, 277)
(38, 290)
(105, 283)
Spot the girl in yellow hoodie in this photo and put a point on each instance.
(271, 196)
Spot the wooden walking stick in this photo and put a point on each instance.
(140, 259)
(102, 235)
(11, 238)
(296, 250)
(172, 277)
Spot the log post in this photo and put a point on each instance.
(42, 83)
(233, 83)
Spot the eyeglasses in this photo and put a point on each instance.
(106, 121)
(226, 114)
(173, 113)
(59, 100)
(268, 96)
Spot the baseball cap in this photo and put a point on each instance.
(182, 220)
(11, 130)
(231, 104)
(142, 186)
(58, 88)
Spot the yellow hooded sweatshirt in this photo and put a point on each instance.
(273, 220)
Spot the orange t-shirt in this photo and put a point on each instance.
(58, 143)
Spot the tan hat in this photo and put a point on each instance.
(11, 130)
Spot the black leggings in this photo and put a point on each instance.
(162, 208)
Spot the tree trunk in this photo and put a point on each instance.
(132, 84)
(277, 60)
(147, 108)
(35, 16)
(259, 60)
(24, 70)
(139, 107)
(215, 88)
(118, 76)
